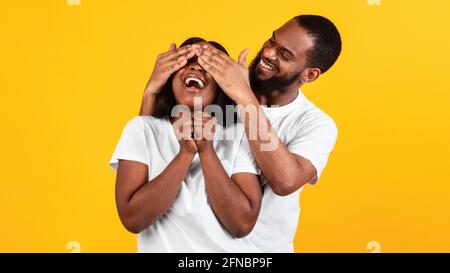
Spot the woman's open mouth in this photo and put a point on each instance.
(194, 83)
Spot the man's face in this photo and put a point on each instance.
(282, 59)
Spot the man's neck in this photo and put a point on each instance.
(279, 98)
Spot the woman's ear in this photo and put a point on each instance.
(309, 75)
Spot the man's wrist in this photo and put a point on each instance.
(147, 104)
(150, 94)
(246, 98)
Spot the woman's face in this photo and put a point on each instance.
(192, 81)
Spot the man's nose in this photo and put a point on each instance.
(270, 52)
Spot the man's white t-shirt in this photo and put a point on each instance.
(309, 132)
(190, 224)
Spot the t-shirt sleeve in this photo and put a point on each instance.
(132, 144)
(244, 162)
(315, 143)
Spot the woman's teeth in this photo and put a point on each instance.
(266, 66)
(190, 80)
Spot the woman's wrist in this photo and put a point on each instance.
(186, 154)
(206, 148)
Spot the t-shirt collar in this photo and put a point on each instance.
(276, 111)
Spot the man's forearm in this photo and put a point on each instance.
(147, 104)
(277, 164)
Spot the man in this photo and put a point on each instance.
(297, 53)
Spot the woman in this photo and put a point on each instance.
(182, 193)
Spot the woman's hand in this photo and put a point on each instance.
(166, 64)
(195, 133)
(204, 129)
(184, 128)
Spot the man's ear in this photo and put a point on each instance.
(309, 75)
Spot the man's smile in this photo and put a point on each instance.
(266, 67)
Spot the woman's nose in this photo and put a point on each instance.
(196, 67)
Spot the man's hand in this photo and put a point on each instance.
(230, 75)
(166, 64)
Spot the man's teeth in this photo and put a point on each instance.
(266, 66)
(200, 83)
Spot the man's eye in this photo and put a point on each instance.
(284, 57)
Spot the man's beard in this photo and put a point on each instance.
(266, 87)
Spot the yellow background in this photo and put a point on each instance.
(72, 76)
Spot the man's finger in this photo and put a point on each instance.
(171, 54)
(211, 61)
(215, 53)
(172, 47)
(243, 57)
(208, 67)
(170, 50)
(218, 52)
(182, 51)
(174, 65)
(210, 57)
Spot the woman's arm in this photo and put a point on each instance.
(140, 203)
(236, 201)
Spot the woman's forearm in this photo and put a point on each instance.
(229, 203)
(151, 201)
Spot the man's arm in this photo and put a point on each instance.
(148, 104)
(284, 171)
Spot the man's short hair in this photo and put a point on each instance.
(327, 41)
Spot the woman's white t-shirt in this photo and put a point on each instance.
(190, 224)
